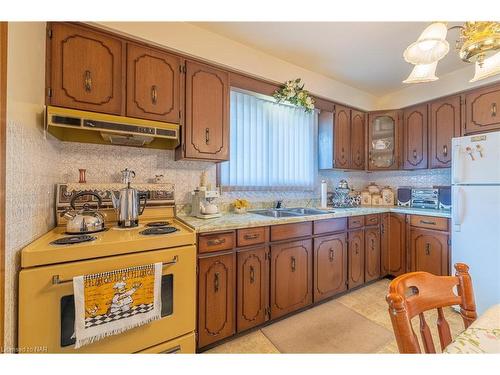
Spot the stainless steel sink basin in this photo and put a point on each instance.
(275, 213)
(290, 212)
(307, 211)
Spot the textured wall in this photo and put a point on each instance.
(32, 161)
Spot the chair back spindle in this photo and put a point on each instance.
(414, 293)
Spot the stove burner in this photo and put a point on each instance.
(157, 224)
(158, 230)
(73, 239)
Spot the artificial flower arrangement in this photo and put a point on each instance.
(240, 205)
(293, 92)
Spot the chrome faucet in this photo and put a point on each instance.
(279, 203)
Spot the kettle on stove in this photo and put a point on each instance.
(128, 204)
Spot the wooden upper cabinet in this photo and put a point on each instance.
(330, 266)
(444, 124)
(357, 140)
(393, 244)
(356, 248)
(384, 140)
(85, 69)
(372, 254)
(482, 110)
(153, 84)
(206, 133)
(415, 137)
(342, 137)
(216, 298)
(253, 288)
(291, 277)
(429, 251)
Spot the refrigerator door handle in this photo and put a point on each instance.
(457, 209)
(455, 163)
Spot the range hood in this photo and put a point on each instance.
(88, 127)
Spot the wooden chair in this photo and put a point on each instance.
(414, 293)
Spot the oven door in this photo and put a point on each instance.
(46, 303)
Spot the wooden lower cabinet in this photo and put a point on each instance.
(429, 251)
(393, 244)
(216, 297)
(253, 288)
(291, 277)
(356, 271)
(330, 266)
(372, 253)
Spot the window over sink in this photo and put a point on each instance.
(272, 146)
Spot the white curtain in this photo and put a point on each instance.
(272, 145)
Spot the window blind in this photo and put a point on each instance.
(272, 146)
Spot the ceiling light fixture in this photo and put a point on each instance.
(422, 73)
(479, 43)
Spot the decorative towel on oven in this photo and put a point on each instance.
(110, 303)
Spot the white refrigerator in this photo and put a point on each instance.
(475, 233)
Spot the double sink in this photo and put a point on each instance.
(290, 212)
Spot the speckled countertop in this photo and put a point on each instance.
(248, 220)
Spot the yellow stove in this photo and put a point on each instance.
(46, 304)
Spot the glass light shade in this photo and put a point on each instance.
(431, 45)
(422, 73)
(491, 67)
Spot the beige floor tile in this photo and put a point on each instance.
(252, 343)
(369, 301)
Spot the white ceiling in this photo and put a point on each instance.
(365, 55)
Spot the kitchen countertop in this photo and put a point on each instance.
(236, 221)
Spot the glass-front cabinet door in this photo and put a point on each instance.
(383, 141)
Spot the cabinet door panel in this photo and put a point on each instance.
(415, 137)
(356, 258)
(429, 251)
(207, 112)
(357, 140)
(444, 125)
(372, 254)
(342, 138)
(384, 141)
(482, 110)
(394, 238)
(153, 84)
(291, 277)
(253, 287)
(330, 266)
(216, 281)
(86, 69)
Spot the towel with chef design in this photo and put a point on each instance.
(110, 303)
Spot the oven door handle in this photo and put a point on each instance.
(56, 279)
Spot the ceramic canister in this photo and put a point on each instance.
(366, 198)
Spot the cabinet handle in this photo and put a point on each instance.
(293, 264)
(207, 135)
(373, 244)
(88, 81)
(414, 154)
(154, 94)
(217, 241)
(370, 158)
(356, 248)
(427, 222)
(494, 110)
(427, 249)
(252, 275)
(331, 255)
(216, 282)
(250, 236)
(382, 228)
(445, 150)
